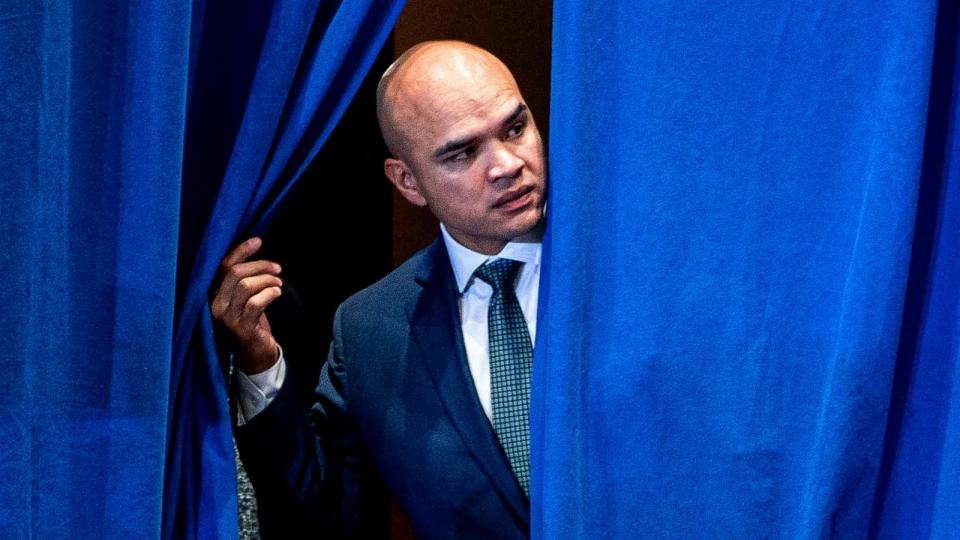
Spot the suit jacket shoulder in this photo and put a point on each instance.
(399, 289)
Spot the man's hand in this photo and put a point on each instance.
(246, 289)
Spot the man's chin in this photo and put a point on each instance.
(533, 230)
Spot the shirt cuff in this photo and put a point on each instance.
(255, 392)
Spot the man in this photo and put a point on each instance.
(425, 392)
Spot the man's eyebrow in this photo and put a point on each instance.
(451, 146)
(459, 144)
(516, 114)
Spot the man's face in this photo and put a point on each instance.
(473, 154)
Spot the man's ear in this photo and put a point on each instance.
(403, 179)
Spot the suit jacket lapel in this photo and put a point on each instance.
(435, 325)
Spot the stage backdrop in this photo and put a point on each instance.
(138, 142)
(752, 272)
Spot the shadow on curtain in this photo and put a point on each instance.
(129, 170)
(752, 273)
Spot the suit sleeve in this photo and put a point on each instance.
(312, 474)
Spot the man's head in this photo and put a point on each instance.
(464, 143)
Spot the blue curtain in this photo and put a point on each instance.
(130, 166)
(92, 122)
(749, 309)
(309, 57)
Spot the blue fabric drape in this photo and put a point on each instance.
(128, 173)
(312, 58)
(92, 122)
(749, 318)
(919, 487)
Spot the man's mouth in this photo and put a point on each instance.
(517, 198)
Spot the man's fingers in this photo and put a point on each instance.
(238, 272)
(256, 304)
(238, 255)
(229, 301)
(245, 289)
(252, 268)
(252, 285)
(242, 252)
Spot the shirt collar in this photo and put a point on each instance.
(465, 261)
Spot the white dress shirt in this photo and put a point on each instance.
(255, 392)
(475, 299)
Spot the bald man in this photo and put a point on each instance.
(425, 392)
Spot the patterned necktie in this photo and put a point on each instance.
(511, 360)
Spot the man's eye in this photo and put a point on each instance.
(462, 155)
(516, 130)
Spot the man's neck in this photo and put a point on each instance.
(465, 261)
(534, 235)
(492, 247)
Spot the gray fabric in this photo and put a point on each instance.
(249, 524)
(511, 360)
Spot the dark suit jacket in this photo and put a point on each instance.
(396, 410)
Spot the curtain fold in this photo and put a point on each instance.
(139, 141)
(750, 289)
(918, 494)
(313, 57)
(92, 122)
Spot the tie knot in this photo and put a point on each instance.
(499, 273)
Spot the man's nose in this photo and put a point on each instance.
(505, 162)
